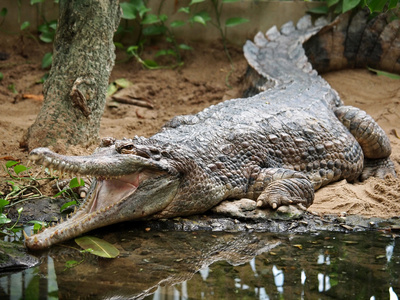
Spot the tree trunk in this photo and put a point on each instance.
(75, 91)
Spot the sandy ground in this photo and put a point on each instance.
(198, 84)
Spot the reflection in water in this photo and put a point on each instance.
(209, 265)
(278, 278)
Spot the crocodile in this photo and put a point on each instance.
(292, 136)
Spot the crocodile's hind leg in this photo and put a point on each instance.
(275, 187)
(372, 139)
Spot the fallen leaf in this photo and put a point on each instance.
(33, 97)
(350, 242)
(98, 246)
(7, 157)
(395, 133)
(298, 246)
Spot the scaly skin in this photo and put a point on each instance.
(276, 148)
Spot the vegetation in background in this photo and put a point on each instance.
(341, 6)
(157, 24)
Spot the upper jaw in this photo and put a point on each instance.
(104, 163)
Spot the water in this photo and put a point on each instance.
(209, 265)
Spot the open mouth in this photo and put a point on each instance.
(108, 190)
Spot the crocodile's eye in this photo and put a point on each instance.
(127, 149)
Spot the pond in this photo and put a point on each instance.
(215, 265)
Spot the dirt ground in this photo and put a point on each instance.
(187, 90)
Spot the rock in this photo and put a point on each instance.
(13, 257)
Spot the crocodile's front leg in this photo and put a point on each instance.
(275, 187)
(372, 139)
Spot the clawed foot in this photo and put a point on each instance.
(377, 168)
(276, 200)
(291, 191)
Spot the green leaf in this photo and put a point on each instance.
(19, 168)
(199, 19)
(383, 73)
(37, 225)
(66, 205)
(25, 25)
(3, 12)
(70, 264)
(151, 64)
(392, 4)
(4, 219)
(1, 76)
(235, 21)
(99, 247)
(119, 45)
(47, 37)
(11, 87)
(165, 52)
(349, 4)
(154, 30)
(185, 10)
(195, 1)
(47, 60)
(74, 183)
(111, 89)
(376, 5)
(132, 49)
(204, 15)
(128, 11)
(185, 47)
(229, 1)
(150, 19)
(11, 163)
(53, 24)
(177, 23)
(331, 2)
(320, 10)
(36, 1)
(3, 203)
(163, 17)
(123, 83)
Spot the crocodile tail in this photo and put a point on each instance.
(354, 40)
(278, 57)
